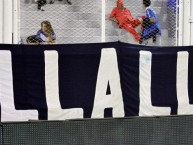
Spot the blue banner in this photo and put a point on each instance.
(57, 82)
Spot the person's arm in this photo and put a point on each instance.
(112, 15)
(51, 38)
(150, 15)
(129, 15)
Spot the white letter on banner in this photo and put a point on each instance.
(108, 72)
(184, 106)
(55, 112)
(8, 111)
(145, 107)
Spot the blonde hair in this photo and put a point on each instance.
(48, 25)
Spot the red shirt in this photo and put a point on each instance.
(122, 16)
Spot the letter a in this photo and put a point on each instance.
(108, 72)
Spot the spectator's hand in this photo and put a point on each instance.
(49, 33)
(152, 20)
(113, 19)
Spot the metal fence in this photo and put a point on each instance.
(166, 12)
(174, 130)
(81, 21)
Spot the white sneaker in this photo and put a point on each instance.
(42, 8)
(145, 42)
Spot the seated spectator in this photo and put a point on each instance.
(46, 33)
(123, 17)
(33, 39)
(68, 1)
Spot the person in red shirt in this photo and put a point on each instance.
(123, 17)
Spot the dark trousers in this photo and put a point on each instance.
(41, 3)
(146, 24)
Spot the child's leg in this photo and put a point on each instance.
(39, 4)
(136, 23)
(155, 43)
(143, 40)
(158, 41)
(154, 38)
(131, 30)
